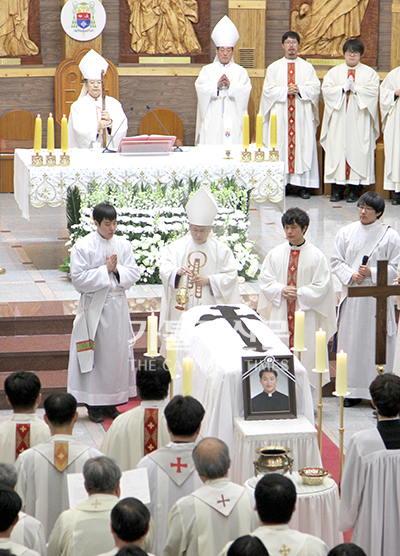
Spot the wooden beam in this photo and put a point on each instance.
(395, 47)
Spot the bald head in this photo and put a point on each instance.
(211, 458)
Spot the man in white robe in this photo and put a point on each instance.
(350, 125)
(291, 89)
(358, 248)
(275, 503)
(218, 512)
(223, 91)
(197, 265)
(390, 114)
(370, 482)
(10, 506)
(89, 119)
(294, 275)
(42, 470)
(25, 429)
(170, 469)
(101, 371)
(143, 429)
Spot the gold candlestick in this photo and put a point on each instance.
(341, 432)
(298, 352)
(51, 160)
(259, 156)
(320, 406)
(273, 155)
(245, 156)
(37, 160)
(65, 159)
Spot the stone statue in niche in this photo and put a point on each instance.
(163, 26)
(325, 25)
(14, 38)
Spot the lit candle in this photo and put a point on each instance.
(246, 131)
(341, 373)
(320, 350)
(171, 355)
(50, 133)
(152, 324)
(37, 142)
(64, 134)
(274, 133)
(259, 131)
(187, 376)
(299, 330)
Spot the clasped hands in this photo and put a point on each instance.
(111, 263)
(363, 271)
(196, 280)
(350, 85)
(223, 80)
(293, 89)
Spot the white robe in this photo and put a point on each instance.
(357, 323)
(16, 549)
(84, 530)
(112, 380)
(42, 487)
(315, 296)
(220, 267)
(274, 98)
(39, 432)
(203, 522)
(29, 532)
(124, 440)
(390, 114)
(211, 109)
(171, 475)
(84, 118)
(276, 537)
(370, 494)
(350, 134)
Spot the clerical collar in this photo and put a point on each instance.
(225, 65)
(297, 246)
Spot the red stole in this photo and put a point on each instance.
(292, 281)
(22, 438)
(291, 103)
(350, 73)
(150, 430)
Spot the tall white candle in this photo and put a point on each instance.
(341, 373)
(171, 355)
(299, 330)
(320, 351)
(152, 325)
(187, 376)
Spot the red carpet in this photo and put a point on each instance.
(133, 402)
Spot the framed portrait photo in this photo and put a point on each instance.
(269, 387)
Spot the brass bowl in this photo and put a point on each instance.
(313, 475)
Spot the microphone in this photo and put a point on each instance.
(364, 260)
(176, 148)
(107, 150)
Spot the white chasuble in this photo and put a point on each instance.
(390, 113)
(213, 109)
(29, 532)
(315, 296)
(21, 432)
(275, 98)
(356, 315)
(350, 125)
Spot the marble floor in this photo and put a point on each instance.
(31, 252)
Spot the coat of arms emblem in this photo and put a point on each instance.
(83, 16)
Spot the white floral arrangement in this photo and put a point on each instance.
(152, 218)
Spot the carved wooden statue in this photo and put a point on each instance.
(14, 38)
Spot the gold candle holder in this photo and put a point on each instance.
(259, 156)
(298, 352)
(273, 155)
(51, 160)
(341, 432)
(65, 159)
(2, 271)
(320, 406)
(245, 156)
(37, 160)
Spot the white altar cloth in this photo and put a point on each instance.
(298, 435)
(47, 185)
(217, 353)
(317, 509)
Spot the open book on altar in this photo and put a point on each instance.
(146, 145)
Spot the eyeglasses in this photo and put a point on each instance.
(94, 82)
(363, 207)
(224, 50)
(289, 42)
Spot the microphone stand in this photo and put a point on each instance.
(176, 148)
(107, 150)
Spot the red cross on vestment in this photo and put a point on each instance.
(22, 438)
(223, 500)
(291, 103)
(292, 281)
(150, 425)
(178, 465)
(350, 73)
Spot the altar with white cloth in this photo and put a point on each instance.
(47, 185)
(217, 352)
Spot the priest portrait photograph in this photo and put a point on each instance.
(270, 399)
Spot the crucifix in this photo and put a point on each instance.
(381, 292)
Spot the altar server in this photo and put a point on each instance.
(88, 118)
(390, 113)
(201, 265)
(223, 91)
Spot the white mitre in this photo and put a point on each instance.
(225, 33)
(91, 66)
(201, 208)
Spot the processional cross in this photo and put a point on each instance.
(381, 292)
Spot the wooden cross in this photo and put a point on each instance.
(381, 292)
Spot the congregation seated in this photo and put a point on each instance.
(25, 429)
(85, 529)
(170, 469)
(10, 506)
(28, 531)
(43, 469)
(127, 440)
(218, 512)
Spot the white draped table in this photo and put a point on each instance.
(48, 185)
(317, 509)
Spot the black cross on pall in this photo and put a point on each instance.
(229, 314)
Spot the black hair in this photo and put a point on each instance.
(184, 415)
(22, 389)
(275, 499)
(60, 408)
(297, 216)
(130, 550)
(247, 546)
(104, 211)
(267, 371)
(130, 519)
(153, 379)
(10, 505)
(374, 200)
(290, 35)
(353, 45)
(346, 549)
(385, 393)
